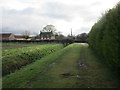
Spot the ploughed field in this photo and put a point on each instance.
(55, 66)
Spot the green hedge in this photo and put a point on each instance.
(14, 59)
(104, 37)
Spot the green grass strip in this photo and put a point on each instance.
(21, 77)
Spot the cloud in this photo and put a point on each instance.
(33, 15)
(24, 11)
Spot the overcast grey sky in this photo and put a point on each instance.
(33, 15)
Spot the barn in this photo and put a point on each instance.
(7, 36)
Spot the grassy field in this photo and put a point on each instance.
(75, 66)
(7, 46)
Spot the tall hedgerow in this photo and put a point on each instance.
(104, 37)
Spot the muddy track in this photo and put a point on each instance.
(33, 79)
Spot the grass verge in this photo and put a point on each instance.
(21, 77)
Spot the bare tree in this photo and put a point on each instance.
(26, 34)
(49, 28)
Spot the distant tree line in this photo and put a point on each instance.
(82, 37)
(104, 37)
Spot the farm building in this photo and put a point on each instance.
(7, 36)
(47, 35)
(10, 36)
(36, 37)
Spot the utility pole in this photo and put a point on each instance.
(71, 31)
